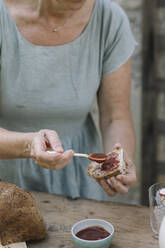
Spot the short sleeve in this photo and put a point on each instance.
(119, 40)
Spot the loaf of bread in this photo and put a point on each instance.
(113, 166)
(20, 218)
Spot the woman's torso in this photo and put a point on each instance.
(54, 87)
(51, 87)
(48, 86)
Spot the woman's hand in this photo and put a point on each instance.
(121, 183)
(116, 123)
(46, 140)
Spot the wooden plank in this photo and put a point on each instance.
(161, 167)
(131, 222)
(160, 3)
(160, 127)
(15, 245)
(160, 42)
(154, 44)
(149, 98)
(160, 85)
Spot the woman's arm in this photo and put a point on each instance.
(34, 145)
(15, 144)
(116, 121)
(114, 106)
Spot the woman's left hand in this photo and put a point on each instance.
(121, 183)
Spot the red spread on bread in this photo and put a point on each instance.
(110, 163)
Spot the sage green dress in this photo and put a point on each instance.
(54, 87)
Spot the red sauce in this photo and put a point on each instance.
(98, 157)
(161, 194)
(93, 233)
(110, 163)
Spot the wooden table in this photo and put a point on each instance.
(131, 223)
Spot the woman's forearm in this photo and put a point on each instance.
(119, 131)
(35, 145)
(15, 144)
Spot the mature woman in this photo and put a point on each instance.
(56, 57)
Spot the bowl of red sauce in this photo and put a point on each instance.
(92, 233)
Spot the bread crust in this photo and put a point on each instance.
(20, 218)
(94, 169)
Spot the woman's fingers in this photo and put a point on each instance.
(117, 145)
(112, 187)
(119, 186)
(128, 179)
(64, 159)
(54, 161)
(54, 141)
(45, 140)
(110, 191)
(38, 144)
(121, 183)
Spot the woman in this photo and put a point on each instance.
(56, 57)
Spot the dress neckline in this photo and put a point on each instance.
(83, 34)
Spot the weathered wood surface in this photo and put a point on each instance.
(131, 223)
(15, 245)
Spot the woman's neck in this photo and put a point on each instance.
(61, 9)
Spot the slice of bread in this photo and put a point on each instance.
(97, 171)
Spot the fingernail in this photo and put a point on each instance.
(71, 151)
(117, 145)
(109, 181)
(59, 149)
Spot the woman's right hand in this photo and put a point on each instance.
(45, 140)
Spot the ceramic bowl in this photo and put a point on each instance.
(102, 243)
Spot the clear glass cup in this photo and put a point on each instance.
(157, 206)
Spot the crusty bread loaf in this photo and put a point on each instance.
(20, 218)
(95, 169)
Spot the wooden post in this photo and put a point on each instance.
(160, 3)
(149, 100)
(153, 85)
